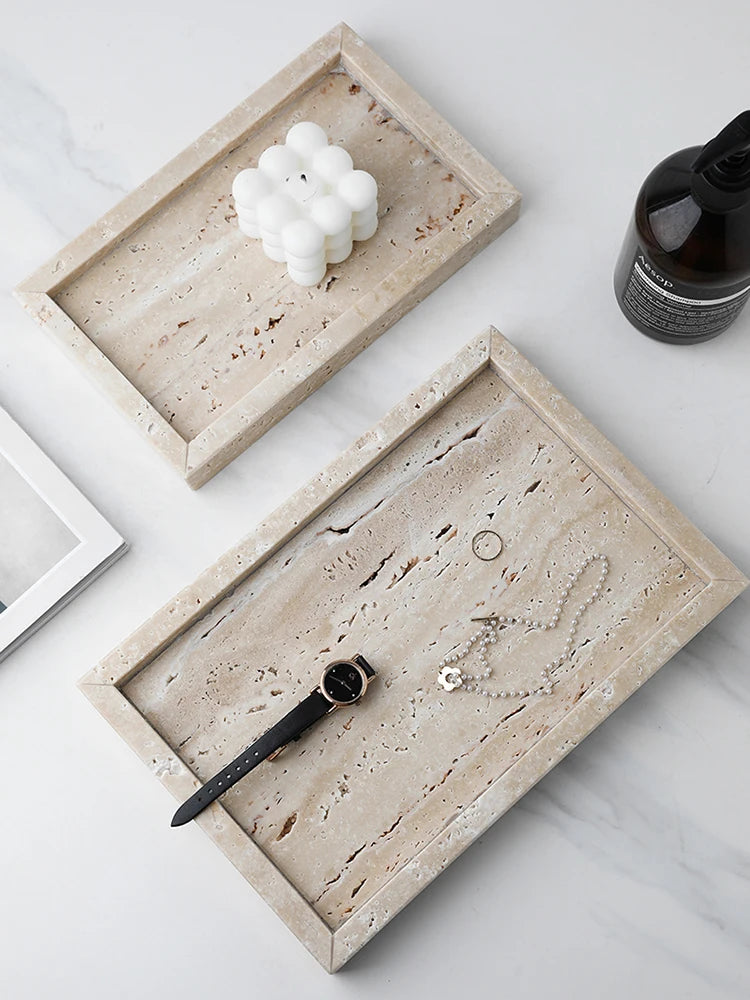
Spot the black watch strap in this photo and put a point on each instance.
(369, 671)
(294, 723)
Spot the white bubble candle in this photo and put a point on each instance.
(306, 203)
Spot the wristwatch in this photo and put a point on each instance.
(342, 683)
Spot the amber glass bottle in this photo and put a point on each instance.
(683, 274)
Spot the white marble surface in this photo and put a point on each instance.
(626, 872)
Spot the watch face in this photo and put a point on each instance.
(343, 682)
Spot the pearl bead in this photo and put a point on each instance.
(487, 635)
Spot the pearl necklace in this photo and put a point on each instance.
(452, 677)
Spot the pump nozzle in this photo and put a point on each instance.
(732, 140)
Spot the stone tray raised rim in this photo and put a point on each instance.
(721, 580)
(379, 306)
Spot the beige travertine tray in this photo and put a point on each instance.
(200, 339)
(374, 555)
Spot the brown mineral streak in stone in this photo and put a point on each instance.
(181, 326)
(668, 582)
(370, 788)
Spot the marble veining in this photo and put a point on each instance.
(42, 160)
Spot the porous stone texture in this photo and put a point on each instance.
(388, 570)
(200, 338)
(372, 803)
(196, 315)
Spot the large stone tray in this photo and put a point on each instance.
(375, 556)
(200, 339)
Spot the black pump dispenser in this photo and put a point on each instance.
(684, 271)
(722, 168)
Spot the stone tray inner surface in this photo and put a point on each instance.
(388, 570)
(193, 313)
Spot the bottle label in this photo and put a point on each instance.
(671, 307)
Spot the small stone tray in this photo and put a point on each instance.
(200, 339)
(375, 556)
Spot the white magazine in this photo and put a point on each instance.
(53, 542)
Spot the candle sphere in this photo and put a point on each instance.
(332, 163)
(358, 189)
(277, 162)
(305, 138)
(306, 203)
